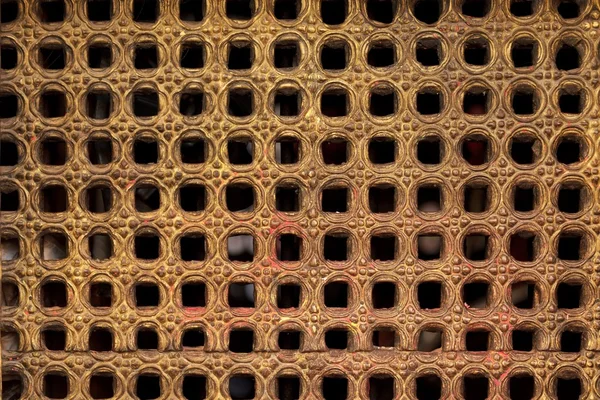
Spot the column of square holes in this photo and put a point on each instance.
(334, 56)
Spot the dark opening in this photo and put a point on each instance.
(146, 10)
(288, 296)
(287, 150)
(288, 387)
(147, 339)
(382, 199)
(9, 11)
(286, 53)
(571, 341)
(287, 9)
(336, 247)
(239, 197)
(55, 339)
(193, 247)
(522, 150)
(429, 247)
(99, 56)
(100, 246)
(383, 295)
(53, 246)
(240, 102)
(335, 387)
(476, 198)
(521, 8)
(476, 387)
(522, 340)
(336, 294)
(288, 247)
(194, 387)
(241, 55)
(9, 105)
(429, 198)
(382, 102)
(101, 339)
(101, 294)
(10, 294)
(524, 198)
(524, 101)
(287, 103)
(9, 199)
(476, 294)
(241, 340)
(241, 295)
(334, 12)
(12, 385)
(429, 103)
(334, 103)
(9, 56)
(99, 151)
(477, 340)
(428, 11)
(383, 247)
(524, 295)
(147, 386)
(51, 11)
(429, 52)
(429, 150)
(289, 340)
(567, 57)
(381, 387)
(335, 151)
(242, 10)
(569, 246)
(191, 11)
(56, 385)
(522, 53)
(568, 9)
(475, 8)
(192, 197)
(521, 387)
(98, 11)
(568, 388)
(147, 295)
(382, 11)
(193, 338)
(475, 150)
(337, 339)
(193, 151)
(428, 387)
(475, 247)
(477, 52)
(53, 104)
(569, 198)
(334, 55)
(429, 295)
(102, 386)
(334, 200)
(381, 54)
(523, 246)
(382, 150)
(476, 102)
(242, 386)
(145, 103)
(10, 249)
(570, 103)
(568, 295)
(52, 57)
(569, 150)
(99, 104)
(147, 198)
(287, 198)
(145, 56)
(193, 294)
(192, 56)
(98, 199)
(384, 337)
(240, 248)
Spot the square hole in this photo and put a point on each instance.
(522, 150)
(101, 295)
(522, 53)
(53, 151)
(10, 248)
(334, 55)
(191, 10)
(429, 198)
(194, 387)
(568, 9)
(521, 8)
(287, 103)
(289, 340)
(382, 102)
(192, 56)
(102, 386)
(147, 339)
(99, 56)
(475, 8)
(568, 295)
(569, 246)
(11, 339)
(569, 151)
(335, 151)
(476, 102)
(100, 246)
(98, 199)
(240, 56)
(476, 52)
(476, 295)
(55, 339)
(242, 10)
(384, 337)
(239, 197)
(288, 387)
(524, 198)
(286, 54)
(242, 386)
(99, 10)
(240, 151)
(334, 387)
(9, 11)
(240, 102)
(383, 295)
(193, 338)
(567, 58)
(100, 339)
(145, 103)
(523, 246)
(10, 294)
(336, 339)
(569, 198)
(192, 197)
(428, 387)
(524, 295)
(476, 387)
(147, 198)
(146, 10)
(240, 248)
(334, 200)
(523, 102)
(55, 385)
(568, 388)
(336, 294)
(52, 57)
(54, 294)
(148, 386)
(381, 54)
(477, 340)
(571, 341)
(9, 105)
(51, 11)
(335, 247)
(241, 340)
(429, 295)
(428, 52)
(98, 104)
(383, 247)
(147, 295)
(287, 150)
(429, 103)
(10, 200)
(241, 294)
(521, 387)
(430, 339)
(287, 9)
(382, 11)
(334, 103)
(145, 56)
(53, 104)
(54, 246)
(193, 294)
(476, 198)
(382, 150)
(287, 198)
(570, 103)
(334, 12)
(522, 340)
(429, 247)
(288, 247)
(382, 199)
(476, 247)
(429, 150)
(9, 57)
(100, 151)
(193, 151)
(475, 150)
(288, 296)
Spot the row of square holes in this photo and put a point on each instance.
(334, 54)
(332, 12)
(289, 386)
